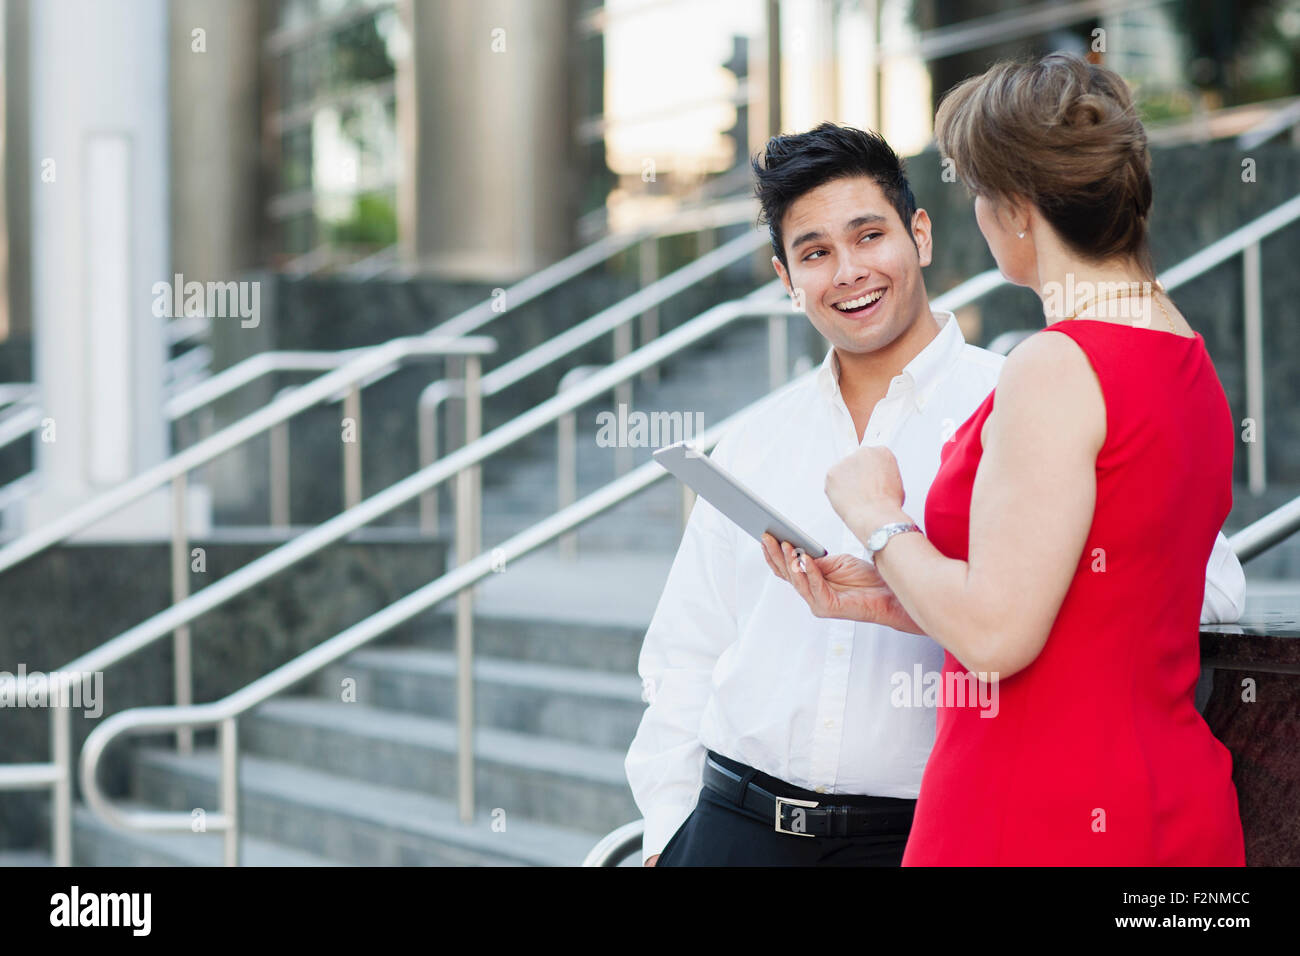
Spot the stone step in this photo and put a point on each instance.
(96, 843)
(579, 705)
(591, 645)
(529, 777)
(357, 822)
(10, 858)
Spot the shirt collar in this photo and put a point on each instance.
(923, 374)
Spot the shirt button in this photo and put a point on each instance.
(830, 723)
(839, 651)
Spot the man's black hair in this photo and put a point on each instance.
(793, 165)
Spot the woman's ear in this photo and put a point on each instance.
(1013, 214)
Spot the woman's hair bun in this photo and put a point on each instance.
(1063, 134)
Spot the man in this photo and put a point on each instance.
(772, 737)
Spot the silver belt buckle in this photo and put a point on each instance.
(793, 803)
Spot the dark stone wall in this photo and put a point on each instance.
(69, 600)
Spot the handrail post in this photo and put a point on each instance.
(622, 395)
(467, 546)
(428, 452)
(61, 754)
(352, 449)
(648, 269)
(706, 240)
(229, 783)
(182, 677)
(473, 432)
(777, 350)
(279, 491)
(566, 474)
(1254, 348)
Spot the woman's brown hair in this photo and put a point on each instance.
(1063, 134)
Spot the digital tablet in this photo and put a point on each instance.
(725, 492)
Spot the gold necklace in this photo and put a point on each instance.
(1123, 292)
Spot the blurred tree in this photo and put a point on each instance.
(358, 54)
(373, 222)
(1226, 39)
(1236, 51)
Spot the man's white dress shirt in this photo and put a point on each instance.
(735, 662)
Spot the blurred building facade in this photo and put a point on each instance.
(176, 141)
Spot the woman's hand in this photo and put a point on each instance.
(839, 586)
(866, 490)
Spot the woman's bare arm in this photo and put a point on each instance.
(1031, 509)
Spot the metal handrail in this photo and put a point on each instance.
(13, 392)
(615, 319)
(374, 364)
(1258, 536)
(710, 216)
(458, 464)
(22, 420)
(617, 845)
(249, 370)
(225, 712)
(367, 366)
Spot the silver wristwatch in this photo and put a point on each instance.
(880, 537)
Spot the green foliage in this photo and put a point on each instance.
(373, 222)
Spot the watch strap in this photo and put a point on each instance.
(888, 530)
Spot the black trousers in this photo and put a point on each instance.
(721, 833)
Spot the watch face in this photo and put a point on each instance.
(877, 539)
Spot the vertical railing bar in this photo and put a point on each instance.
(181, 664)
(61, 754)
(1256, 459)
(352, 449)
(648, 269)
(229, 783)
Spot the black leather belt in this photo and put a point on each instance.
(799, 817)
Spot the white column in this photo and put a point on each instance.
(100, 240)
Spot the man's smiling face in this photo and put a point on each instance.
(856, 263)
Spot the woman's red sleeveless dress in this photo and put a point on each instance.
(1097, 755)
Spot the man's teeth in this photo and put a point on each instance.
(867, 299)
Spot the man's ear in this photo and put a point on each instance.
(922, 236)
(782, 275)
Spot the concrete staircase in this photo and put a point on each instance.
(713, 381)
(368, 777)
(371, 780)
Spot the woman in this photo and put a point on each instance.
(1067, 531)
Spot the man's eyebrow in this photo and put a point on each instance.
(813, 236)
(871, 219)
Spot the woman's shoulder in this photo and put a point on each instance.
(1051, 377)
(1041, 358)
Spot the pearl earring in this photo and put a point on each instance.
(1020, 235)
